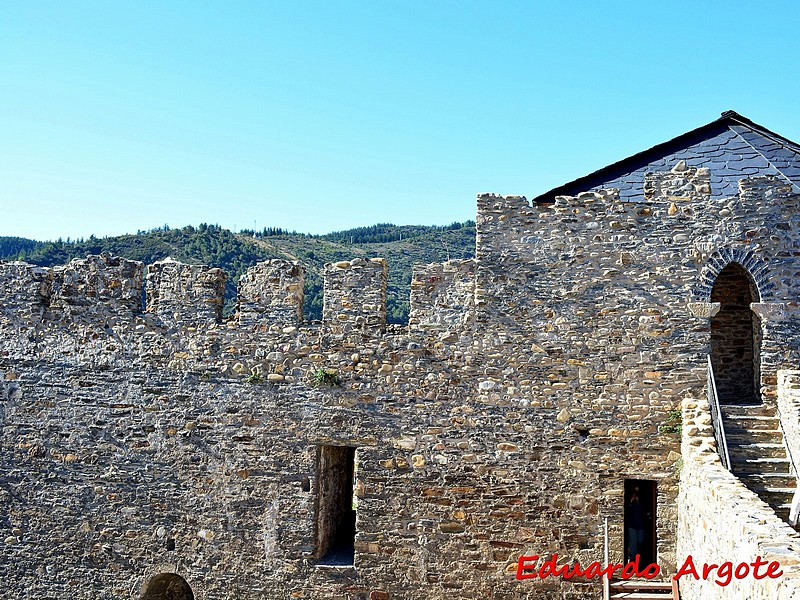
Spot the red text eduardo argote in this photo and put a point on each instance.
(528, 567)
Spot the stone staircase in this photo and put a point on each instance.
(758, 455)
(644, 590)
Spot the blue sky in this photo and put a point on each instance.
(319, 116)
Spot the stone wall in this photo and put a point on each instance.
(181, 294)
(529, 385)
(721, 520)
(789, 414)
(443, 302)
(354, 298)
(271, 293)
(25, 293)
(97, 287)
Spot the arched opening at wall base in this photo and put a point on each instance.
(167, 586)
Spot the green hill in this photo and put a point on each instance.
(401, 246)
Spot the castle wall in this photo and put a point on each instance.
(442, 301)
(181, 294)
(25, 292)
(271, 293)
(354, 300)
(530, 384)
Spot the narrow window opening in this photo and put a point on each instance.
(336, 515)
(640, 521)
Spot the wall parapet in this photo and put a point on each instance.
(719, 520)
(271, 292)
(97, 286)
(185, 294)
(25, 290)
(355, 297)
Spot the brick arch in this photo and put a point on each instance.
(756, 268)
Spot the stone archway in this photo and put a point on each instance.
(736, 337)
(167, 586)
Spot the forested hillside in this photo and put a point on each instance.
(401, 246)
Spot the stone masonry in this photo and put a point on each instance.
(148, 448)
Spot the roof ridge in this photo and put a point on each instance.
(766, 158)
(785, 142)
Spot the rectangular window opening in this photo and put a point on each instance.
(336, 515)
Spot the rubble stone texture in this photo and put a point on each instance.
(143, 449)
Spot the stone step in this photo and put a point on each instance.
(757, 436)
(761, 410)
(776, 497)
(756, 450)
(767, 480)
(749, 422)
(746, 466)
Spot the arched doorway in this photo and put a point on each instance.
(167, 586)
(736, 337)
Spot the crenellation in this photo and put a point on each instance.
(271, 293)
(97, 286)
(25, 291)
(354, 297)
(181, 294)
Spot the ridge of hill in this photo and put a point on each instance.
(402, 247)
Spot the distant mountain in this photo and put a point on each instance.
(401, 245)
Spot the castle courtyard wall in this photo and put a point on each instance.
(161, 439)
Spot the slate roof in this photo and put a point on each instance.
(732, 147)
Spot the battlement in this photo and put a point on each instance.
(271, 291)
(185, 294)
(445, 297)
(25, 291)
(355, 297)
(508, 227)
(97, 286)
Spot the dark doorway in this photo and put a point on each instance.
(735, 337)
(167, 586)
(640, 521)
(336, 517)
